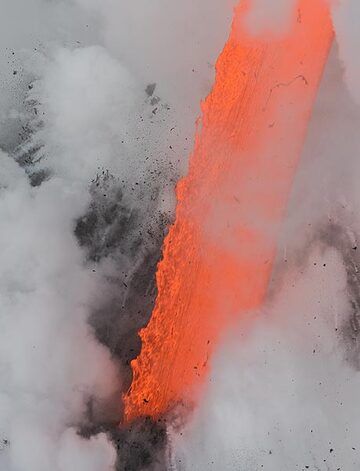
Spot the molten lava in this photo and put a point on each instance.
(218, 255)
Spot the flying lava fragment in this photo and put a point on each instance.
(218, 255)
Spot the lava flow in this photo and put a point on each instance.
(218, 255)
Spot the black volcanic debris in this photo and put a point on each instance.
(150, 89)
(4, 443)
(131, 236)
(152, 98)
(141, 446)
(128, 230)
(21, 139)
(109, 223)
(337, 236)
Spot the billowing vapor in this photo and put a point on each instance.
(98, 101)
(283, 388)
(281, 394)
(96, 121)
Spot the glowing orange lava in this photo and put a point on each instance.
(217, 257)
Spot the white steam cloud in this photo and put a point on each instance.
(280, 395)
(284, 386)
(73, 106)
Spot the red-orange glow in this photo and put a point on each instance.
(217, 257)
